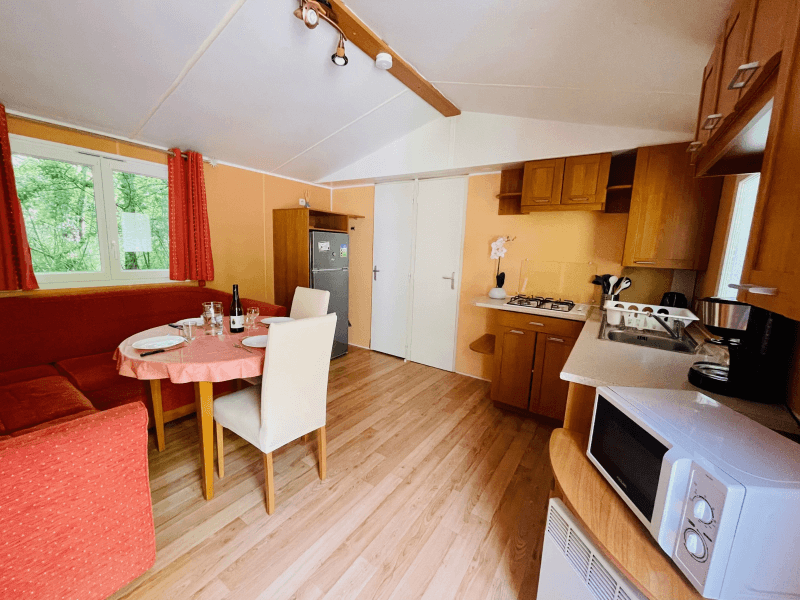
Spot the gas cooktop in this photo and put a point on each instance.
(542, 303)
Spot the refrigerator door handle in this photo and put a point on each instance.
(452, 279)
(375, 272)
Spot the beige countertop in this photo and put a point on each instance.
(596, 363)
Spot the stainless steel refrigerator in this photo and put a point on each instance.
(329, 271)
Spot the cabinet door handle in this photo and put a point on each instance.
(754, 289)
(743, 75)
(517, 331)
(552, 339)
(712, 121)
(694, 147)
(536, 324)
(581, 199)
(644, 262)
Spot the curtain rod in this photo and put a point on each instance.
(96, 134)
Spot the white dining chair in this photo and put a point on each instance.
(309, 303)
(305, 303)
(291, 400)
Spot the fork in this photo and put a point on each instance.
(243, 348)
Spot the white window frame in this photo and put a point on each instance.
(103, 166)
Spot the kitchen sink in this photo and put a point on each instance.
(651, 340)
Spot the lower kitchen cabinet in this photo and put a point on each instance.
(513, 359)
(529, 355)
(548, 390)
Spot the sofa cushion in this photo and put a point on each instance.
(54, 422)
(29, 403)
(27, 374)
(93, 372)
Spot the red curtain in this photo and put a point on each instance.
(189, 236)
(16, 266)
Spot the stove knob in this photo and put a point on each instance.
(694, 544)
(702, 511)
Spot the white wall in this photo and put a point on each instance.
(474, 140)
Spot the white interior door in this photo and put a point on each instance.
(391, 261)
(439, 240)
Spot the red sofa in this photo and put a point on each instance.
(75, 510)
(73, 336)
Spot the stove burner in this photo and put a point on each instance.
(543, 303)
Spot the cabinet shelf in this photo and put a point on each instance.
(484, 344)
(330, 230)
(510, 195)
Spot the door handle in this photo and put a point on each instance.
(738, 81)
(754, 289)
(552, 339)
(644, 262)
(694, 146)
(375, 272)
(517, 331)
(537, 324)
(452, 279)
(711, 121)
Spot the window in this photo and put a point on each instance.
(92, 218)
(738, 235)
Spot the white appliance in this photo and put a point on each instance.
(719, 492)
(572, 568)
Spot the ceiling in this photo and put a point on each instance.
(243, 81)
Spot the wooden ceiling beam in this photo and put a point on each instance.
(366, 39)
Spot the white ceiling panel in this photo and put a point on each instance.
(100, 64)
(266, 90)
(382, 126)
(649, 110)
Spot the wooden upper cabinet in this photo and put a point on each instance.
(572, 183)
(585, 179)
(772, 264)
(734, 55)
(672, 215)
(765, 37)
(706, 118)
(542, 182)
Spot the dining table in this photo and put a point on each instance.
(205, 360)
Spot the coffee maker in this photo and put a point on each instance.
(751, 356)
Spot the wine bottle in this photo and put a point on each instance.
(237, 314)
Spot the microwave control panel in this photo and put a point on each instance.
(702, 512)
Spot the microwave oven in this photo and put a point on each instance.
(719, 492)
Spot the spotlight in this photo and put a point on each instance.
(338, 57)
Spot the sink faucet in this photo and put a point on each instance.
(663, 323)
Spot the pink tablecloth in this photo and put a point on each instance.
(206, 358)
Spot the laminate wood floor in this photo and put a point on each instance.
(432, 492)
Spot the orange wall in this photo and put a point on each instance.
(359, 201)
(578, 237)
(240, 204)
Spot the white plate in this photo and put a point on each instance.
(158, 342)
(256, 341)
(271, 320)
(196, 320)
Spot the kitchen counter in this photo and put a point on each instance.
(579, 313)
(595, 363)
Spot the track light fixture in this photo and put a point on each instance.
(310, 12)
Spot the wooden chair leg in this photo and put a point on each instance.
(220, 453)
(321, 448)
(269, 483)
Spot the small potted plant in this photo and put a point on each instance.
(499, 251)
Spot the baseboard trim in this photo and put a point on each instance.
(473, 376)
(357, 346)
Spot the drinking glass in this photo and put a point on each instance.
(251, 316)
(187, 331)
(212, 317)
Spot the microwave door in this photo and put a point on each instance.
(641, 467)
